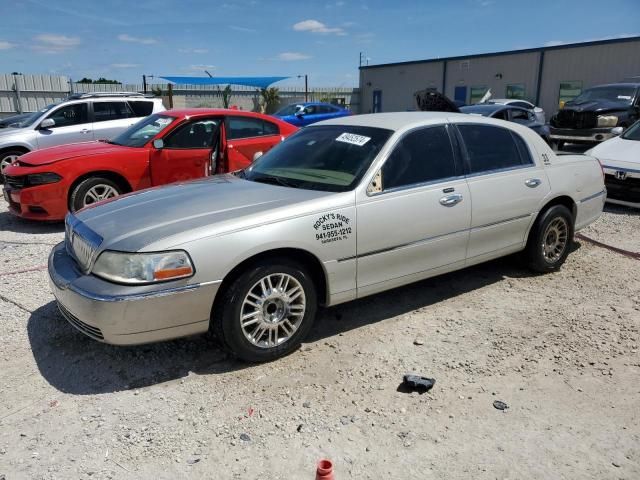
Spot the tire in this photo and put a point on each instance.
(266, 324)
(92, 190)
(7, 157)
(546, 250)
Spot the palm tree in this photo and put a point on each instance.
(270, 99)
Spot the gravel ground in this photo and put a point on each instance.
(561, 350)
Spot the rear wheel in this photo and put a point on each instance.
(550, 240)
(267, 311)
(92, 190)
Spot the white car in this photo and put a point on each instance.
(620, 158)
(540, 115)
(341, 209)
(83, 117)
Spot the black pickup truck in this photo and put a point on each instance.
(591, 117)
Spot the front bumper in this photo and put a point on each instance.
(623, 186)
(587, 135)
(128, 315)
(43, 202)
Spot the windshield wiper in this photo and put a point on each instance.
(273, 181)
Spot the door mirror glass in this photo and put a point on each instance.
(47, 123)
(257, 155)
(617, 130)
(158, 144)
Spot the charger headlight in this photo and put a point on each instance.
(607, 120)
(34, 179)
(143, 268)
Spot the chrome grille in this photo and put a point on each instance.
(81, 242)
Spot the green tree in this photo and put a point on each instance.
(226, 96)
(270, 99)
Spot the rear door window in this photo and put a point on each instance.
(105, 111)
(491, 148)
(421, 156)
(141, 108)
(247, 127)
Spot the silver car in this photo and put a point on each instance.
(340, 210)
(81, 118)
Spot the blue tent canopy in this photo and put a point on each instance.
(259, 82)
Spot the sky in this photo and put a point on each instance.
(124, 39)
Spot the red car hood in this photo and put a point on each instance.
(47, 156)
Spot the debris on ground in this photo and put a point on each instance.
(500, 405)
(418, 383)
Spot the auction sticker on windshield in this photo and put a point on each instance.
(353, 139)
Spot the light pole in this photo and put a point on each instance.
(306, 86)
(144, 82)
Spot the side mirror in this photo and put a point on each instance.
(617, 131)
(299, 114)
(257, 155)
(158, 144)
(47, 123)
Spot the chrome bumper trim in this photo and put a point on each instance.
(595, 195)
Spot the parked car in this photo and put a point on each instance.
(591, 117)
(620, 158)
(301, 114)
(81, 118)
(511, 114)
(516, 102)
(171, 146)
(340, 210)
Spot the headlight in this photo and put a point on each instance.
(42, 179)
(607, 120)
(140, 268)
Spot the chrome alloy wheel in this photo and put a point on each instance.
(6, 161)
(99, 192)
(555, 240)
(273, 310)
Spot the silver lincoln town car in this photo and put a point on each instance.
(340, 210)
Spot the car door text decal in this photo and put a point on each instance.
(332, 227)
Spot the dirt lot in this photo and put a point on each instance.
(562, 350)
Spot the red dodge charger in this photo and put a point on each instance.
(170, 146)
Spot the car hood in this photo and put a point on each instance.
(167, 216)
(596, 106)
(618, 152)
(50, 155)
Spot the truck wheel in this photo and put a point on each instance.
(92, 190)
(267, 311)
(7, 158)
(550, 240)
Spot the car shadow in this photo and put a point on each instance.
(621, 210)
(14, 224)
(73, 363)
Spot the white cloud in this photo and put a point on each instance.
(193, 50)
(124, 65)
(124, 37)
(293, 56)
(6, 45)
(199, 68)
(242, 29)
(52, 43)
(314, 26)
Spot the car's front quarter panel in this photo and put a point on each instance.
(325, 229)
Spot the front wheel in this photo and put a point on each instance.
(550, 240)
(267, 311)
(92, 190)
(7, 158)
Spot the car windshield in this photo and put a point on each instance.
(25, 122)
(329, 157)
(619, 94)
(140, 133)
(288, 110)
(633, 132)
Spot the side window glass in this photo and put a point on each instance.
(523, 150)
(489, 148)
(200, 134)
(423, 155)
(501, 115)
(141, 108)
(519, 115)
(247, 127)
(75, 114)
(310, 110)
(104, 111)
(270, 128)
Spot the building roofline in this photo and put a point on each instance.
(507, 52)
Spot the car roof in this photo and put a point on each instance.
(485, 108)
(200, 112)
(508, 100)
(399, 120)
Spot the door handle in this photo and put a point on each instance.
(451, 200)
(532, 182)
(84, 130)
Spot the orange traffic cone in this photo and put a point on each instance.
(325, 470)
